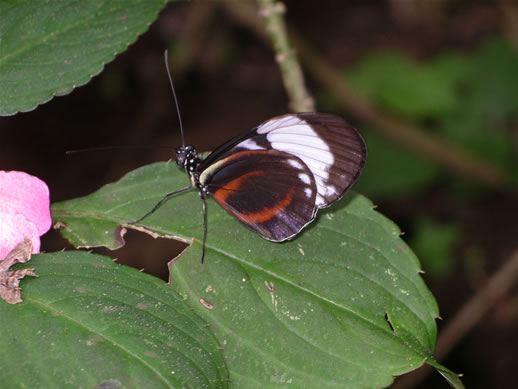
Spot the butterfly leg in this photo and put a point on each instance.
(204, 208)
(162, 201)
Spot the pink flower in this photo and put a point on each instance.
(24, 210)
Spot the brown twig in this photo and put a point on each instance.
(469, 316)
(273, 13)
(399, 130)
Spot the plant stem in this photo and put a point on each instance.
(273, 13)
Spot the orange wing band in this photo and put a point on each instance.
(265, 214)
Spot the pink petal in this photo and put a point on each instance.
(24, 210)
(23, 194)
(13, 229)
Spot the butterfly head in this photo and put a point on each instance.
(187, 158)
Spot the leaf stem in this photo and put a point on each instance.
(273, 13)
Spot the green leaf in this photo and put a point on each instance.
(495, 86)
(489, 104)
(393, 171)
(343, 304)
(454, 68)
(435, 244)
(86, 321)
(470, 100)
(50, 47)
(403, 86)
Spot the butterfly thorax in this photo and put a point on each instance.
(187, 159)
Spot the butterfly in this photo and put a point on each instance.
(274, 177)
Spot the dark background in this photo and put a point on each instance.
(227, 81)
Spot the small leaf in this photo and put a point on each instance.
(343, 304)
(50, 47)
(88, 322)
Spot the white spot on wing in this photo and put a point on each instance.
(305, 178)
(296, 164)
(308, 192)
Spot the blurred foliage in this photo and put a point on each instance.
(475, 263)
(392, 169)
(489, 104)
(405, 87)
(469, 99)
(434, 243)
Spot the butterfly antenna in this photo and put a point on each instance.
(118, 147)
(166, 58)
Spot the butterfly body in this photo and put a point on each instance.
(188, 160)
(274, 177)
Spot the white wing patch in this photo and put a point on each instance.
(294, 135)
(305, 178)
(295, 164)
(249, 144)
(283, 121)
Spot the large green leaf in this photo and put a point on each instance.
(50, 47)
(343, 304)
(86, 321)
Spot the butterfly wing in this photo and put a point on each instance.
(269, 191)
(332, 150)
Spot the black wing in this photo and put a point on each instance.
(332, 150)
(269, 191)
